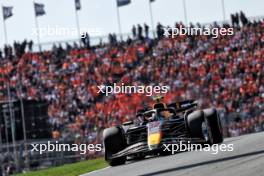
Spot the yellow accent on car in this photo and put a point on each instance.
(154, 139)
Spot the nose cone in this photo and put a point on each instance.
(154, 140)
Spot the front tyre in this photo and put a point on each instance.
(114, 141)
(214, 126)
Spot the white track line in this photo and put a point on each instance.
(94, 171)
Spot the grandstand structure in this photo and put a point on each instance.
(227, 72)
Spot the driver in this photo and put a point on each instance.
(165, 114)
(159, 104)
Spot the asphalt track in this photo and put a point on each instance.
(247, 159)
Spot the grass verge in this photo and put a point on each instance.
(75, 169)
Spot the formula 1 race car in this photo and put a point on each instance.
(163, 124)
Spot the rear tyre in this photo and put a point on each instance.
(194, 123)
(114, 141)
(213, 123)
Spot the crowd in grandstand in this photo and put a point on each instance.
(226, 72)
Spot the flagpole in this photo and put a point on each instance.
(151, 18)
(37, 26)
(23, 122)
(185, 12)
(223, 9)
(13, 128)
(1, 140)
(4, 25)
(119, 23)
(6, 41)
(78, 25)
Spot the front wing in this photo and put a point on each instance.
(143, 148)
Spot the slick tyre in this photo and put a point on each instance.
(214, 126)
(194, 123)
(114, 141)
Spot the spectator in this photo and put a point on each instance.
(86, 40)
(159, 30)
(146, 29)
(235, 20)
(140, 31)
(243, 18)
(134, 31)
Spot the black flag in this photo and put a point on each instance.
(39, 9)
(77, 4)
(151, 0)
(122, 2)
(7, 12)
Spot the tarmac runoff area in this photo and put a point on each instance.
(247, 159)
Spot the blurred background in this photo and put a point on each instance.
(48, 85)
